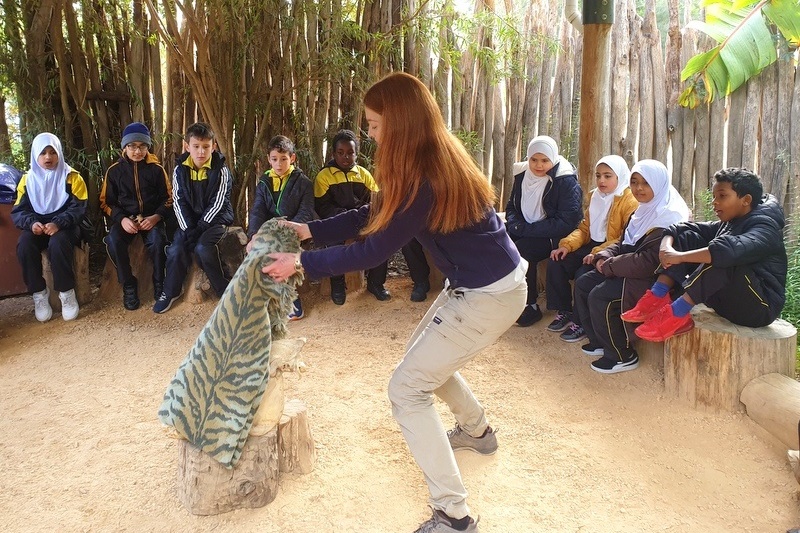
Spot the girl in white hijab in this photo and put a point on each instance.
(626, 269)
(610, 206)
(51, 202)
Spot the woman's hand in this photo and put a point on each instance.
(559, 253)
(282, 266)
(301, 229)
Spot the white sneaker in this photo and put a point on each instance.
(41, 305)
(69, 305)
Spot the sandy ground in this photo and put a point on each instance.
(579, 451)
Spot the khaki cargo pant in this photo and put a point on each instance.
(458, 325)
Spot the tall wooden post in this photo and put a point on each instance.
(594, 137)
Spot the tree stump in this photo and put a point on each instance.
(141, 267)
(206, 487)
(295, 442)
(196, 287)
(773, 402)
(80, 266)
(710, 365)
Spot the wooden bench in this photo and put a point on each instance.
(710, 365)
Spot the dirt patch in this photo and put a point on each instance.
(579, 451)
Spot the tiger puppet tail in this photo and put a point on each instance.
(217, 389)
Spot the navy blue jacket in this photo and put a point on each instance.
(204, 202)
(562, 202)
(295, 201)
(755, 239)
(472, 257)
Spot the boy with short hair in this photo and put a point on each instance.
(201, 193)
(137, 198)
(282, 191)
(737, 265)
(342, 185)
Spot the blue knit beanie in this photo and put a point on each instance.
(136, 132)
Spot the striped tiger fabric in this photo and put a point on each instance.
(217, 389)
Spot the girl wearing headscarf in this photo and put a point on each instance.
(51, 202)
(544, 207)
(626, 269)
(610, 206)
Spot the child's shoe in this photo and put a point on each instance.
(420, 292)
(561, 322)
(69, 305)
(297, 310)
(592, 350)
(130, 295)
(663, 325)
(164, 302)
(530, 315)
(606, 365)
(41, 305)
(645, 307)
(379, 292)
(575, 333)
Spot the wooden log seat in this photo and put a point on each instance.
(710, 365)
(141, 267)
(773, 402)
(80, 265)
(196, 287)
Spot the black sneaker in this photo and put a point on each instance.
(164, 302)
(561, 322)
(605, 365)
(130, 295)
(158, 288)
(379, 292)
(592, 350)
(420, 292)
(575, 333)
(530, 316)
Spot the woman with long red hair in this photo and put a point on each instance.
(431, 190)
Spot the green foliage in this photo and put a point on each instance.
(791, 310)
(704, 206)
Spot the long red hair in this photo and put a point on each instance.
(415, 145)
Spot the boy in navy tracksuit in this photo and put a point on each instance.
(736, 265)
(201, 193)
(283, 191)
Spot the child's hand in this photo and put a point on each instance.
(669, 256)
(37, 228)
(129, 226)
(559, 253)
(588, 259)
(599, 265)
(282, 266)
(302, 229)
(51, 229)
(148, 223)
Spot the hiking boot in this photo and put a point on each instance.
(663, 325)
(130, 295)
(531, 315)
(297, 310)
(592, 350)
(645, 307)
(606, 365)
(575, 333)
(69, 305)
(441, 523)
(461, 440)
(420, 292)
(561, 322)
(41, 305)
(379, 292)
(164, 302)
(338, 290)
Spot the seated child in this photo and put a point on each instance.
(544, 207)
(283, 191)
(137, 198)
(625, 270)
(610, 207)
(736, 265)
(201, 194)
(51, 202)
(342, 185)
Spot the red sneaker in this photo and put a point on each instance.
(645, 307)
(663, 325)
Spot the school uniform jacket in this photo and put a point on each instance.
(294, 200)
(755, 240)
(561, 201)
(67, 216)
(621, 210)
(202, 202)
(336, 190)
(133, 188)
